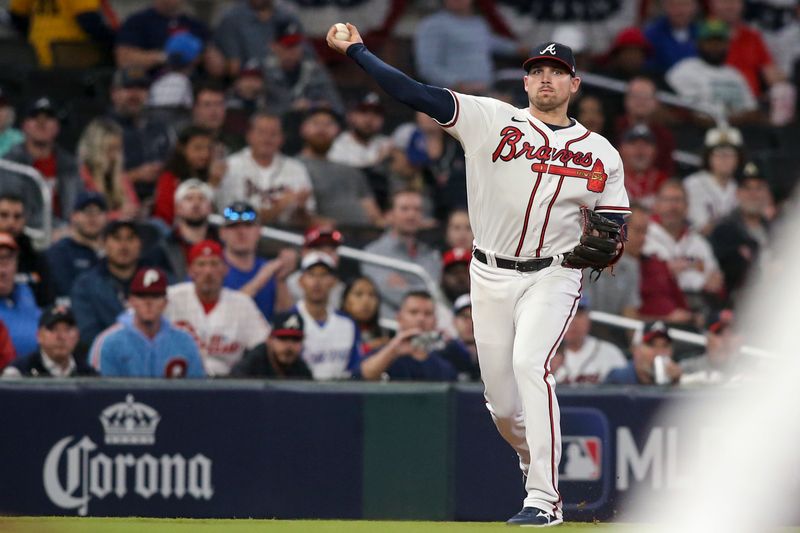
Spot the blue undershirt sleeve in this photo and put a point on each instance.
(435, 102)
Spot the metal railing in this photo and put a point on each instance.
(43, 234)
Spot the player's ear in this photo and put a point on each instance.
(525, 82)
(575, 84)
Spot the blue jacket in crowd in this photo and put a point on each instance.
(97, 300)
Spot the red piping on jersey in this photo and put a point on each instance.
(553, 466)
(612, 208)
(533, 193)
(553, 201)
(458, 110)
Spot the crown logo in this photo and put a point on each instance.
(130, 423)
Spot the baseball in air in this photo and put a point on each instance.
(342, 33)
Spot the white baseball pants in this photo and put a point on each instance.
(520, 319)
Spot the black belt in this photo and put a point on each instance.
(529, 265)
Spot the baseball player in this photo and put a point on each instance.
(223, 322)
(536, 183)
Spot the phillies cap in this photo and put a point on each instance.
(316, 237)
(206, 248)
(149, 281)
(455, 256)
(287, 325)
(317, 258)
(289, 34)
(8, 241)
(552, 51)
(461, 303)
(55, 314)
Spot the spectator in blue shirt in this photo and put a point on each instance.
(262, 280)
(642, 369)
(18, 309)
(143, 343)
(98, 296)
(143, 35)
(672, 35)
(79, 251)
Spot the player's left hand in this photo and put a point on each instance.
(342, 46)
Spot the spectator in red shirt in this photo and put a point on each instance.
(662, 298)
(7, 352)
(642, 107)
(638, 152)
(192, 158)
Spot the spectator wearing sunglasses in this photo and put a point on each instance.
(262, 280)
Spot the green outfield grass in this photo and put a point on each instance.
(150, 525)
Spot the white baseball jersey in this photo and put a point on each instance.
(331, 349)
(347, 150)
(708, 200)
(247, 180)
(591, 363)
(223, 334)
(527, 183)
(689, 245)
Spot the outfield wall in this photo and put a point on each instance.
(311, 450)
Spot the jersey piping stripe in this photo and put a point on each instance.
(533, 193)
(612, 208)
(553, 465)
(458, 110)
(553, 201)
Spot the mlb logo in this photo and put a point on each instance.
(581, 459)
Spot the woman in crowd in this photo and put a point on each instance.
(361, 301)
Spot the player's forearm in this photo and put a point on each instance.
(433, 101)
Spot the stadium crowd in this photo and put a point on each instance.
(245, 115)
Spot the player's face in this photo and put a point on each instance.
(209, 110)
(148, 309)
(123, 247)
(89, 222)
(198, 152)
(285, 350)
(406, 213)
(265, 136)
(317, 283)
(8, 270)
(549, 86)
(12, 217)
(417, 313)
(464, 328)
(193, 208)
(240, 238)
(459, 232)
(578, 328)
(362, 301)
(671, 205)
(58, 341)
(637, 155)
(208, 274)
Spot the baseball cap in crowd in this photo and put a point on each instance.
(252, 68)
(654, 331)
(287, 325)
(639, 132)
(316, 258)
(87, 198)
(206, 248)
(551, 51)
(41, 106)
(723, 136)
(713, 29)
(370, 102)
(149, 281)
(8, 241)
(55, 314)
(115, 225)
(239, 213)
(289, 34)
(316, 238)
(182, 48)
(455, 256)
(462, 302)
(631, 38)
(193, 184)
(131, 77)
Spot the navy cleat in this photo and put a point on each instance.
(533, 517)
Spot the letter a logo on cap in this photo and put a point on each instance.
(549, 49)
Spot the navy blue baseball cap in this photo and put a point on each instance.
(552, 51)
(87, 198)
(55, 314)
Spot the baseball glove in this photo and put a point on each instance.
(598, 247)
